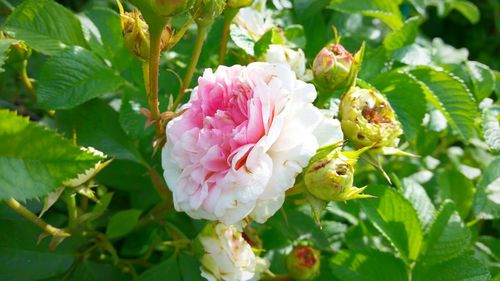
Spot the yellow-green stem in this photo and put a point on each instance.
(228, 18)
(49, 229)
(26, 80)
(70, 199)
(154, 65)
(200, 39)
(145, 73)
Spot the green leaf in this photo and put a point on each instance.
(491, 126)
(34, 160)
(394, 216)
(463, 268)
(22, 258)
(386, 11)
(487, 200)
(447, 238)
(450, 95)
(368, 265)
(4, 50)
(73, 77)
(295, 34)
(416, 194)
(483, 79)
(270, 37)
(96, 124)
(242, 39)
(413, 54)
(190, 268)
(406, 97)
(168, 268)
(93, 271)
(45, 26)
(122, 223)
(468, 9)
(403, 36)
(455, 186)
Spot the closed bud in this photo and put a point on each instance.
(303, 263)
(330, 176)
(170, 8)
(205, 11)
(237, 4)
(367, 119)
(332, 67)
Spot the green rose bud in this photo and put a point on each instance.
(367, 119)
(236, 4)
(170, 8)
(205, 11)
(332, 67)
(330, 176)
(303, 263)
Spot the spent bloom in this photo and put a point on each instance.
(245, 135)
(368, 119)
(225, 255)
(303, 262)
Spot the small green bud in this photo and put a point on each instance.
(237, 4)
(330, 177)
(170, 8)
(332, 67)
(368, 119)
(303, 263)
(205, 11)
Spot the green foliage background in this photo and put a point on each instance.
(434, 60)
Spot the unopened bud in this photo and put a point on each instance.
(331, 177)
(303, 263)
(236, 4)
(170, 8)
(332, 67)
(205, 11)
(368, 119)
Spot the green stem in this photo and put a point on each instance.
(26, 80)
(161, 187)
(70, 199)
(228, 18)
(200, 39)
(49, 229)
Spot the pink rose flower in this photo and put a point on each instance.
(247, 132)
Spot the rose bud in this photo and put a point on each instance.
(237, 4)
(332, 67)
(330, 177)
(224, 254)
(368, 119)
(136, 34)
(303, 263)
(205, 11)
(170, 8)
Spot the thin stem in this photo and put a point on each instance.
(26, 80)
(154, 65)
(49, 229)
(228, 18)
(200, 39)
(70, 199)
(161, 187)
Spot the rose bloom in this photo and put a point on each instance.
(247, 132)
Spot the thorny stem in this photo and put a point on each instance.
(228, 18)
(49, 229)
(200, 39)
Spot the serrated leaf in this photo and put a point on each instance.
(368, 265)
(242, 39)
(416, 194)
(487, 199)
(34, 161)
(450, 95)
(45, 26)
(455, 186)
(413, 54)
(96, 124)
(483, 79)
(4, 50)
(394, 216)
(463, 268)
(448, 237)
(270, 37)
(122, 223)
(491, 126)
(403, 36)
(386, 11)
(168, 268)
(73, 77)
(406, 98)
